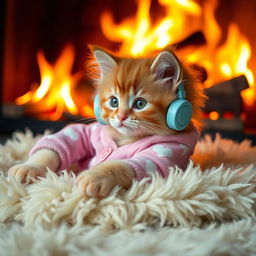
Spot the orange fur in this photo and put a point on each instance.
(129, 80)
(101, 179)
(133, 74)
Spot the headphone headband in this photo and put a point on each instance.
(181, 93)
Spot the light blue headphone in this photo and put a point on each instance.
(97, 112)
(178, 114)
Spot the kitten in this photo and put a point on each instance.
(157, 78)
(134, 96)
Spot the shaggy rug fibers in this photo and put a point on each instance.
(207, 210)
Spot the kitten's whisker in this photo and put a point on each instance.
(135, 124)
(151, 124)
(152, 128)
(145, 128)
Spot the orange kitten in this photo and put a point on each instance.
(155, 79)
(134, 95)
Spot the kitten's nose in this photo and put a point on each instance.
(121, 118)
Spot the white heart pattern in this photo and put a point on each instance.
(51, 136)
(151, 167)
(94, 127)
(70, 133)
(162, 151)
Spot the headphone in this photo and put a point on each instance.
(178, 114)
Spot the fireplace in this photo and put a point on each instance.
(44, 53)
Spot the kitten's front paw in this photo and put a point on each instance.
(95, 184)
(25, 171)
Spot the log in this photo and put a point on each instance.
(225, 96)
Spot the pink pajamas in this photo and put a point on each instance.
(90, 145)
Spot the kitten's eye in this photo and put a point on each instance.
(140, 103)
(113, 102)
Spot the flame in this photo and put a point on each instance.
(233, 57)
(139, 36)
(54, 94)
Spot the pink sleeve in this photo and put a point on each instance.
(71, 144)
(158, 158)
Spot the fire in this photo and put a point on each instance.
(233, 57)
(139, 36)
(54, 94)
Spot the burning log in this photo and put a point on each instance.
(225, 98)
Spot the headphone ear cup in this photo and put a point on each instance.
(179, 114)
(97, 112)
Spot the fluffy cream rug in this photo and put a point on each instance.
(207, 210)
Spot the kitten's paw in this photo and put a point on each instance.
(25, 171)
(95, 184)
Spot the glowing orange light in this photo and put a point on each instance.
(87, 111)
(214, 115)
(43, 89)
(187, 5)
(139, 36)
(226, 69)
(233, 57)
(66, 94)
(54, 94)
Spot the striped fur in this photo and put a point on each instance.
(130, 78)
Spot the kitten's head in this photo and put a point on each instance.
(135, 93)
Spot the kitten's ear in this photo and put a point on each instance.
(105, 61)
(167, 68)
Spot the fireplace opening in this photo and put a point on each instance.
(45, 49)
